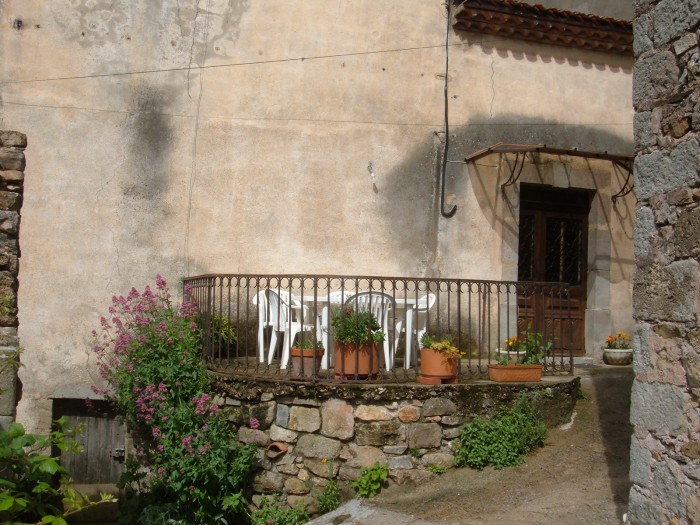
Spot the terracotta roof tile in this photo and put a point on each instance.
(540, 24)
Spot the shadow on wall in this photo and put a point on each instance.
(416, 181)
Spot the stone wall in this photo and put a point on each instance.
(665, 453)
(314, 432)
(12, 164)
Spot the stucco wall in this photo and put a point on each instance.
(243, 144)
(665, 450)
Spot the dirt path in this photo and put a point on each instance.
(579, 477)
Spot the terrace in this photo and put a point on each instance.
(251, 323)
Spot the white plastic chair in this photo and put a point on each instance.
(379, 304)
(416, 320)
(280, 313)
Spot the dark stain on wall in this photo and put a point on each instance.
(151, 144)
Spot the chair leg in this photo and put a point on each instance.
(289, 336)
(261, 343)
(273, 346)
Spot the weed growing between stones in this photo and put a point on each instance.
(189, 466)
(274, 511)
(502, 440)
(369, 484)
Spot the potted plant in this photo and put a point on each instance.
(439, 360)
(617, 349)
(522, 359)
(306, 356)
(356, 335)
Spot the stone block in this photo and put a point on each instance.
(282, 418)
(658, 407)
(304, 419)
(668, 488)
(296, 486)
(378, 433)
(322, 468)
(659, 172)
(409, 414)
(9, 222)
(452, 421)
(249, 435)
(267, 396)
(306, 402)
(348, 473)
(424, 435)
(687, 233)
(13, 139)
(267, 482)
(655, 77)
(10, 201)
(400, 462)
(439, 406)
(395, 450)
(315, 446)
(309, 502)
(693, 508)
(290, 469)
(667, 293)
(235, 415)
(640, 463)
(642, 35)
(373, 413)
(11, 159)
(12, 176)
(278, 433)
(643, 136)
(441, 459)
(410, 477)
(363, 456)
(337, 419)
(673, 18)
(642, 510)
(450, 433)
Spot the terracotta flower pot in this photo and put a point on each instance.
(306, 362)
(519, 373)
(352, 360)
(436, 364)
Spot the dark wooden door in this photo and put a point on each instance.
(552, 247)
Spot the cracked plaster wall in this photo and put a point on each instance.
(257, 163)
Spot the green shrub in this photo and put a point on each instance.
(501, 441)
(34, 487)
(189, 466)
(369, 484)
(273, 511)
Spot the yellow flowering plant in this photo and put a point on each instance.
(531, 349)
(619, 341)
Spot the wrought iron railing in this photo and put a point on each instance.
(256, 324)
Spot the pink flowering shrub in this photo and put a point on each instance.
(149, 355)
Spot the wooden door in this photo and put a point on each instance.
(552, 247)
(99, 466)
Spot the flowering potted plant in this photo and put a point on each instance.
(306, 356)
(356, 336)
(439, 360)
(617, 349)
(522, 359)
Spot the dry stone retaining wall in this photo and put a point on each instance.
(12, 163)
(665, 450)
(331, 431)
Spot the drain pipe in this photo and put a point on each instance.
(446, 214)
